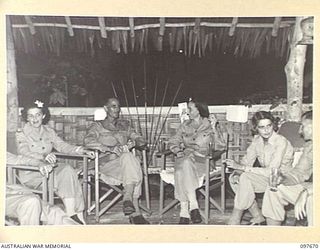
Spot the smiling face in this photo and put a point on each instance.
(193, 111)
(35, 117)
(113, 108)
(265, 128)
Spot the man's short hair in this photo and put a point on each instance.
(111, 98)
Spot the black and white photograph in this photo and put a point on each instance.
(168, 121)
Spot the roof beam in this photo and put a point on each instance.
(233, 26)
(102, 25)
(283, 24)
(69, 25)
(30, 24)
(276, 25)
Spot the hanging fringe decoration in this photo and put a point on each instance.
(146, 40)
(91, 40)
(142, 40)
(124, 39)
(192, 40)
(116, 41)
(24, 40)
(210, 42)
(185, 40)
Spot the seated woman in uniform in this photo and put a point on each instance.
(272, 151)
(37, 141)
(190, 145)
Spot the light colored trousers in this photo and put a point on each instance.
(29, 209)
(124, 170)
(66, 184)
(188, 176)
(274, 202)
(248, 184)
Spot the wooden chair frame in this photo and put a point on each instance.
(47, 191)
(85, 181)
(115, 189)
(210, 176)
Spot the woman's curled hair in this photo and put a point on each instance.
(36, 104)
(202, 108)
(261, 115)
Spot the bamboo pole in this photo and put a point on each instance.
(102, 26)
(154, 105)
(12, 86)
(126, 99)
(165, 120)
(233, 26)
(145, 97)
(132, 35)
(136, 103)
(162, 23)
(284, 24)
(276, 25)
(69, 25)
(131, 25)
(159, 117)
(30, 25)
(294, 73)
(114, 90)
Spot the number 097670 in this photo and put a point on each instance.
(309, 246)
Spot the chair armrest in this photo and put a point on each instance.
(58, 154)
(164, 153)
(141, 148)
(216, 155)
(23, 167)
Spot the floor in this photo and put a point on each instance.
(116, 216)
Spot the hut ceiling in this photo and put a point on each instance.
(241, 36)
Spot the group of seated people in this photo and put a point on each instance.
(191, 144)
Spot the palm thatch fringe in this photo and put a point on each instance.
(251, 42)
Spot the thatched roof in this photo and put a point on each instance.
(191, 36)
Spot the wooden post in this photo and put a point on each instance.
(161, 32)
(102, 25)
(30, 24)
(233, 26)
(132, 37)
(276, 25)
(12, 89)
(294, 72)
(69, 24)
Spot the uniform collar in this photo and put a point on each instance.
(272, 139)
(204, 123)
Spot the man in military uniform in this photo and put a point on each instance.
(120, 166)
(294, 187)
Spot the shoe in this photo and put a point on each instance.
(184, 221)
(76, 219)
(235, 217)
(138, 219)
(128, 207)
(195, 216)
